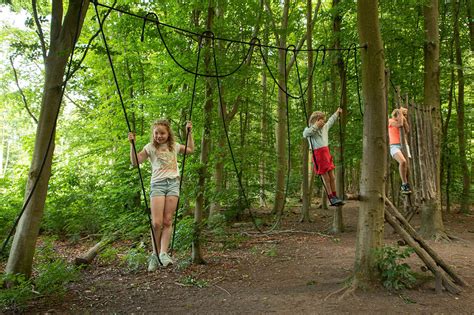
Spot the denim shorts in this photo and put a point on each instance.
(165, 187)
(394, 149)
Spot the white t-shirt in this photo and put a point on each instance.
(317, 137)
(163, 164)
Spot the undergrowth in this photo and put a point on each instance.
(395, 274)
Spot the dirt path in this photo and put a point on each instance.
(292, 271)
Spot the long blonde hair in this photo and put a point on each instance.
(165, 123)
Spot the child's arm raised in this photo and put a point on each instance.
(190, 147)
(142, 155)
(334, 116)
(404, 115)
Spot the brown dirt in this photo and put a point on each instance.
(293, 270)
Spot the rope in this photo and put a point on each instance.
(127, 121)
(239, 177)
(356, 70)
(207, 36)
(276, 81)
(303, 104)
(186, 144)
(51, 136)
(157, 23)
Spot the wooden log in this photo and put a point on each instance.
(439, 261)
(88, 257)
(424, 256)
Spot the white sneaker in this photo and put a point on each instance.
(153, 263)
(165, 259)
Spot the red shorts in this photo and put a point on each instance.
(322, 161)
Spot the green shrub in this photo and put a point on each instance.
(15, 292)
(192, 281)
(53, 273)
(108, 255)
(136, 258)
(183, 237)
(53, 277)
(395, 275)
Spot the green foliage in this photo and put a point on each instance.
(217, 225)
(15, 292)
(108, 255)
(184, 233)
(395, 275)
(272, 251)
(52, 274)
(93, 189)
(136, 258)
(53, 277)
(192, 281)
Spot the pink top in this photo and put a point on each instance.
(393, 132)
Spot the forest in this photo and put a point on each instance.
(255, 228)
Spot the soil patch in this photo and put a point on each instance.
(292, 270)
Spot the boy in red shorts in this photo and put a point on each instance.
(317, 134)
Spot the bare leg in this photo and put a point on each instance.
(332, 180)
(402, 166)
(157, 210)
(327, 183)
(169, 210)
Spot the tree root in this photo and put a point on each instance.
(347, 291)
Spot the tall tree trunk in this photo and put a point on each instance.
(227, 115)
(432, 222)
(445, 156)
(304, 145)
(371, 210)
(215, 206)
(62, 36)
(466, 182)
(196, 255)
(338, 224)
(264, 127)
(281, 131)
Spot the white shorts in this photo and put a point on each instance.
(394, 149)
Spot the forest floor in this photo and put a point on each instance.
(295, 269)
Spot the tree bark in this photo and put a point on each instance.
(371, 211)
(264, 127)
(304, 144)
(196, 255)
(282, 117)
(63, 34)
(432, 223)
(338, 224)
(466, 182)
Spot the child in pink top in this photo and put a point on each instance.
(398, 121)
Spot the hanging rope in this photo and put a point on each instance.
(303, 104)
(239, 176)
(117, 86)
(207, 36)
(157, 23)
(186, 144)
